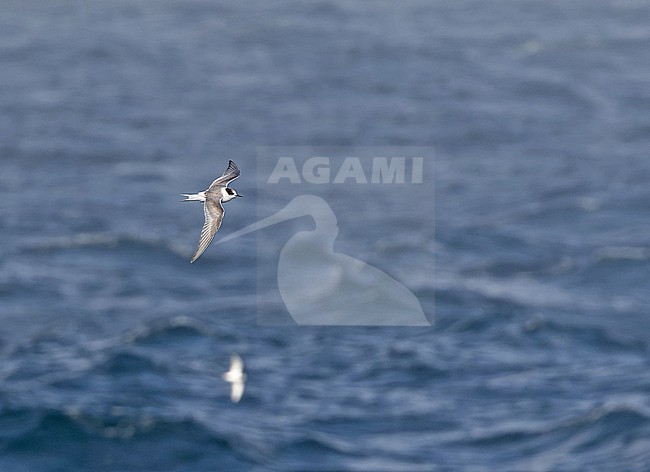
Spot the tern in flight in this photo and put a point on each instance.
(212, 198)
(236, 377)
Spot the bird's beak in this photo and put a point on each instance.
(239, 195)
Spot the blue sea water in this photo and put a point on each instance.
(112, 345)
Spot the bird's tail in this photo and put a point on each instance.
(193, 197)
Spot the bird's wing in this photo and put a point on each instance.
(230, 174)
(236, 391)
(213, 217)
(236, 364)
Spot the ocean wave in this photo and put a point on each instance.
(602, 436)
(127, 363)
(585, 433)
(521, 290)
(532, 292)
(546, 330)
(112, 241)
(169, 331)
(127, 441)
(621, 253)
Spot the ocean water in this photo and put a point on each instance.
(112, 345)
